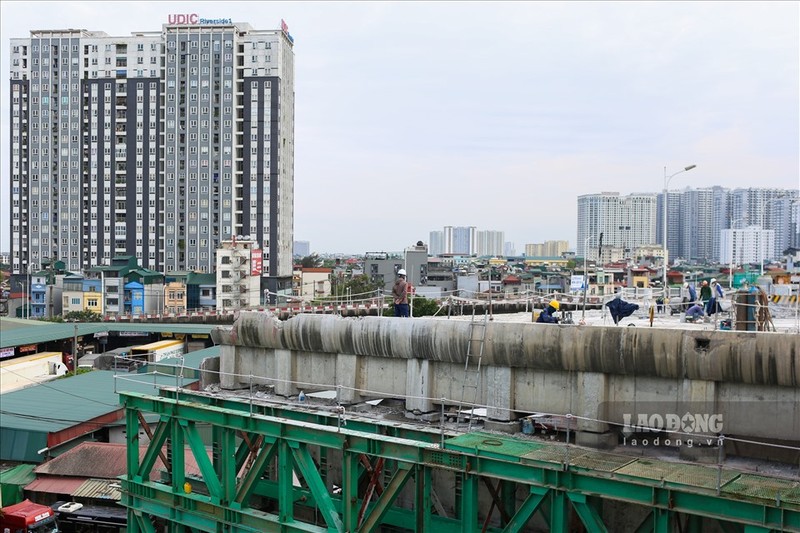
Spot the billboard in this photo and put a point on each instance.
(256, 256)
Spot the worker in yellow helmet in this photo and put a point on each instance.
(547, 316)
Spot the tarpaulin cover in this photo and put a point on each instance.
(11, 483)
(619, 309)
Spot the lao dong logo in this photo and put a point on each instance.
(690, 429)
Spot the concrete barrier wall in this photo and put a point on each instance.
(601, 373)
(727, 356)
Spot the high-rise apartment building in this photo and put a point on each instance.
(301, 248)
(436, 243)
(673, 222)
(158, 145)
(695, 230)
(546, 249)
(769, 209)
(460, 240)
(489, 242)
(696, 220)
(626, 222)
(467, 240)
(747, 245)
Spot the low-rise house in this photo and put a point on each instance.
(314, 282)
(175, 297)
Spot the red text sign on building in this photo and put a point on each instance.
(194, 18)
(183, 18)
(256, 261)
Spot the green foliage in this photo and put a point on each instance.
(330, 263)
(80, 371)
(359, 286)
(571, 264)
(420, 306)
(82, 316)
(424, 306)
(311, 261)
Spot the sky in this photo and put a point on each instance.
(411, 116)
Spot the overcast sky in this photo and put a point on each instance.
(415, 115)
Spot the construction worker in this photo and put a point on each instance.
(689, 296)
(400, 294)
(695, 312)
(705, 293)
(712, 306)
(546, 316)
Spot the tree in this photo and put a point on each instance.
(311, 261)
(360, 287)
(420, 306)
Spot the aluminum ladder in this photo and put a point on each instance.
(472, 366)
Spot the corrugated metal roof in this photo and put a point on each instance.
(88, 459)
(63, 403)
(9, 323)
(101, 460)
(12, 333)
(191, 363)
(102, 489)
(28, 415)
(54, 485)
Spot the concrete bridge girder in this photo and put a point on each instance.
(600, 373)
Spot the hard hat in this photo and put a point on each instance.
(554, 304)
(685, 284)
(401, 272)
(713, 280)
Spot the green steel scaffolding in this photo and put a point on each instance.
(276, 468)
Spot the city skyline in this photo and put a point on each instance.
(510, 133)
(159, 145)
(696, 220)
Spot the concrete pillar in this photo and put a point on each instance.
(499, 392)
(699, 399)
(209, 372)
(589, 400)
(347, 377)
(284, 373)
(590, 395)
(227, 367)
(419, 382)
(699, 394)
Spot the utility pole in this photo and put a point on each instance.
(50, 282)
(75, 349)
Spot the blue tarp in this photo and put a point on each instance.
(619, 309)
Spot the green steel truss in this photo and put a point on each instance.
(274, 469)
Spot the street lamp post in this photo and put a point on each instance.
(585, 276)
(731, 243)
(667, 179)
(102, 293)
